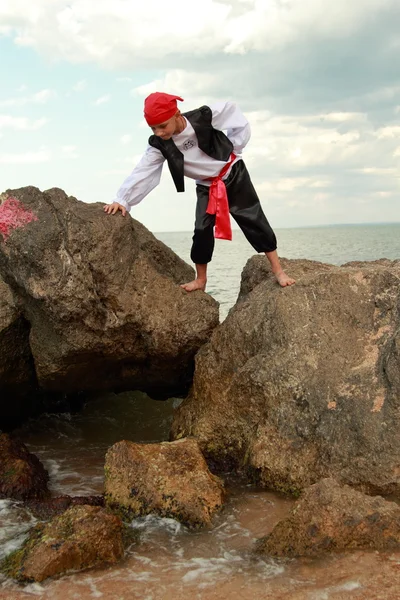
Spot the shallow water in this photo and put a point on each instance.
(172, 562)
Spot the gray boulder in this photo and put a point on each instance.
(302, 383)
(101, 296)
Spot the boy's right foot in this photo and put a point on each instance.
(284, 279)
(196, 284)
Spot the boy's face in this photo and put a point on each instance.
(167, 129)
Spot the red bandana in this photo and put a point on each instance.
(160, 107)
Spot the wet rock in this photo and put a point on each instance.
(81, 538)
(101, 295)
(302, 383)
(22, 475)
(53, 507)
(170, 479)
(329, 517)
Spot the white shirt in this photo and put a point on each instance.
(226, 117)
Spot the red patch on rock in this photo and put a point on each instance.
(13, 215)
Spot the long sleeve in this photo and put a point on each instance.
(226, 116)
(143, 179)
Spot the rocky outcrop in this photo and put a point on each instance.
(81, 538)
(20, 394)
(17, 374)
(330, 518)
(167, 479)
(302, 383)
(101, 296)
(22, 475)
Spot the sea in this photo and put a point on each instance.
(334, 244)
(171, 562)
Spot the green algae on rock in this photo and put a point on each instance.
(170, 479)
(81, 538)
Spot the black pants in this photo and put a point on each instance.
(245, 208)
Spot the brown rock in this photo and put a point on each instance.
(81, 538)
(168, 479)
(329, 517)
(52, 507)
(303, 382)
(22, 475)
(102, 296)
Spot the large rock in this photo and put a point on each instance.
(22, 475)
(302, 383)
(17, 374)
(20, 395)
(101, 295)
(170, 479)
(47, 509)
(330, 518)
(81, 538)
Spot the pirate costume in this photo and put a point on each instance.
(202, 151)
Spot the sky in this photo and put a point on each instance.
(319, 82)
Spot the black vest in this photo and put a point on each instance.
(211, 141)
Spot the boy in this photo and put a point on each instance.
(194, 145)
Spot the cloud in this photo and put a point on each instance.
(102, 100)
(70, 152)
(289, 55)
(79, 86)
(295, 143)
(389, 132)
(378, 171)
(186, 82)
(41, 97)
(112, 32)
(319, 82)
(21, 123)
(25, 158)
(323, 169)
(344, 117)
(116, 33)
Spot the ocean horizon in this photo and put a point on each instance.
(333, 244)
(361, 224)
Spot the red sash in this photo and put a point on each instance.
(218, 204)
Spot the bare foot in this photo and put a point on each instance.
(284, 279)
(196, 284)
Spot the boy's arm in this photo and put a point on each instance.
(143, 179)
(226, 116)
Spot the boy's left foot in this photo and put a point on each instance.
(284, 279)
(196, 284)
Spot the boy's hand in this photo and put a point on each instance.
(111, 209)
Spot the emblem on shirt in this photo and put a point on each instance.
(189, 144)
